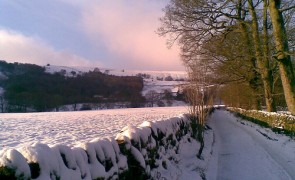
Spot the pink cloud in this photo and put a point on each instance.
(129, 32)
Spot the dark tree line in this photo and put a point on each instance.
(29, 87)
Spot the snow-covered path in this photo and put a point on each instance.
(241, 152)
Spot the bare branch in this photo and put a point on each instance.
(287, 9)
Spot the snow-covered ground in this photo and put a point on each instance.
(160, 86)
(72, 128)
(243, 150)
(234, 148)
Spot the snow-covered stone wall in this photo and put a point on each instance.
(141, 152)
(276, 121)
(97, 159)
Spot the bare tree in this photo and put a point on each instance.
(152, 97)
(199, 97)
(282, 52)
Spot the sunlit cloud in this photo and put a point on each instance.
(128, 32)
(113, 34)
(16, 47)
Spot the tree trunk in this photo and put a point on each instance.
(262, 62)
(253, 81)
(269, 90)
(256, 104)
(283, 56)
(254, 76)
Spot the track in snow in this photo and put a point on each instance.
(243, 153)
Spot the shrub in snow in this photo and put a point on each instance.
(160, 103)
(85, 107)
(160, 78)
(168, 78)
(143, 75)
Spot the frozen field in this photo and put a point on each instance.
(71, 128)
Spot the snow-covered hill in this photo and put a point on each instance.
(176, 75)
(153, 80)
(158, 83)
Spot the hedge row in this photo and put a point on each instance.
(278, 122)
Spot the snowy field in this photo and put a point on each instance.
(72, 128)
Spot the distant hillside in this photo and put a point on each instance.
(29, 87)
(160, 75)
(153, 80)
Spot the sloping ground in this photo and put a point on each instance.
(244, 150)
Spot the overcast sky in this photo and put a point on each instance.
(117, 34)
